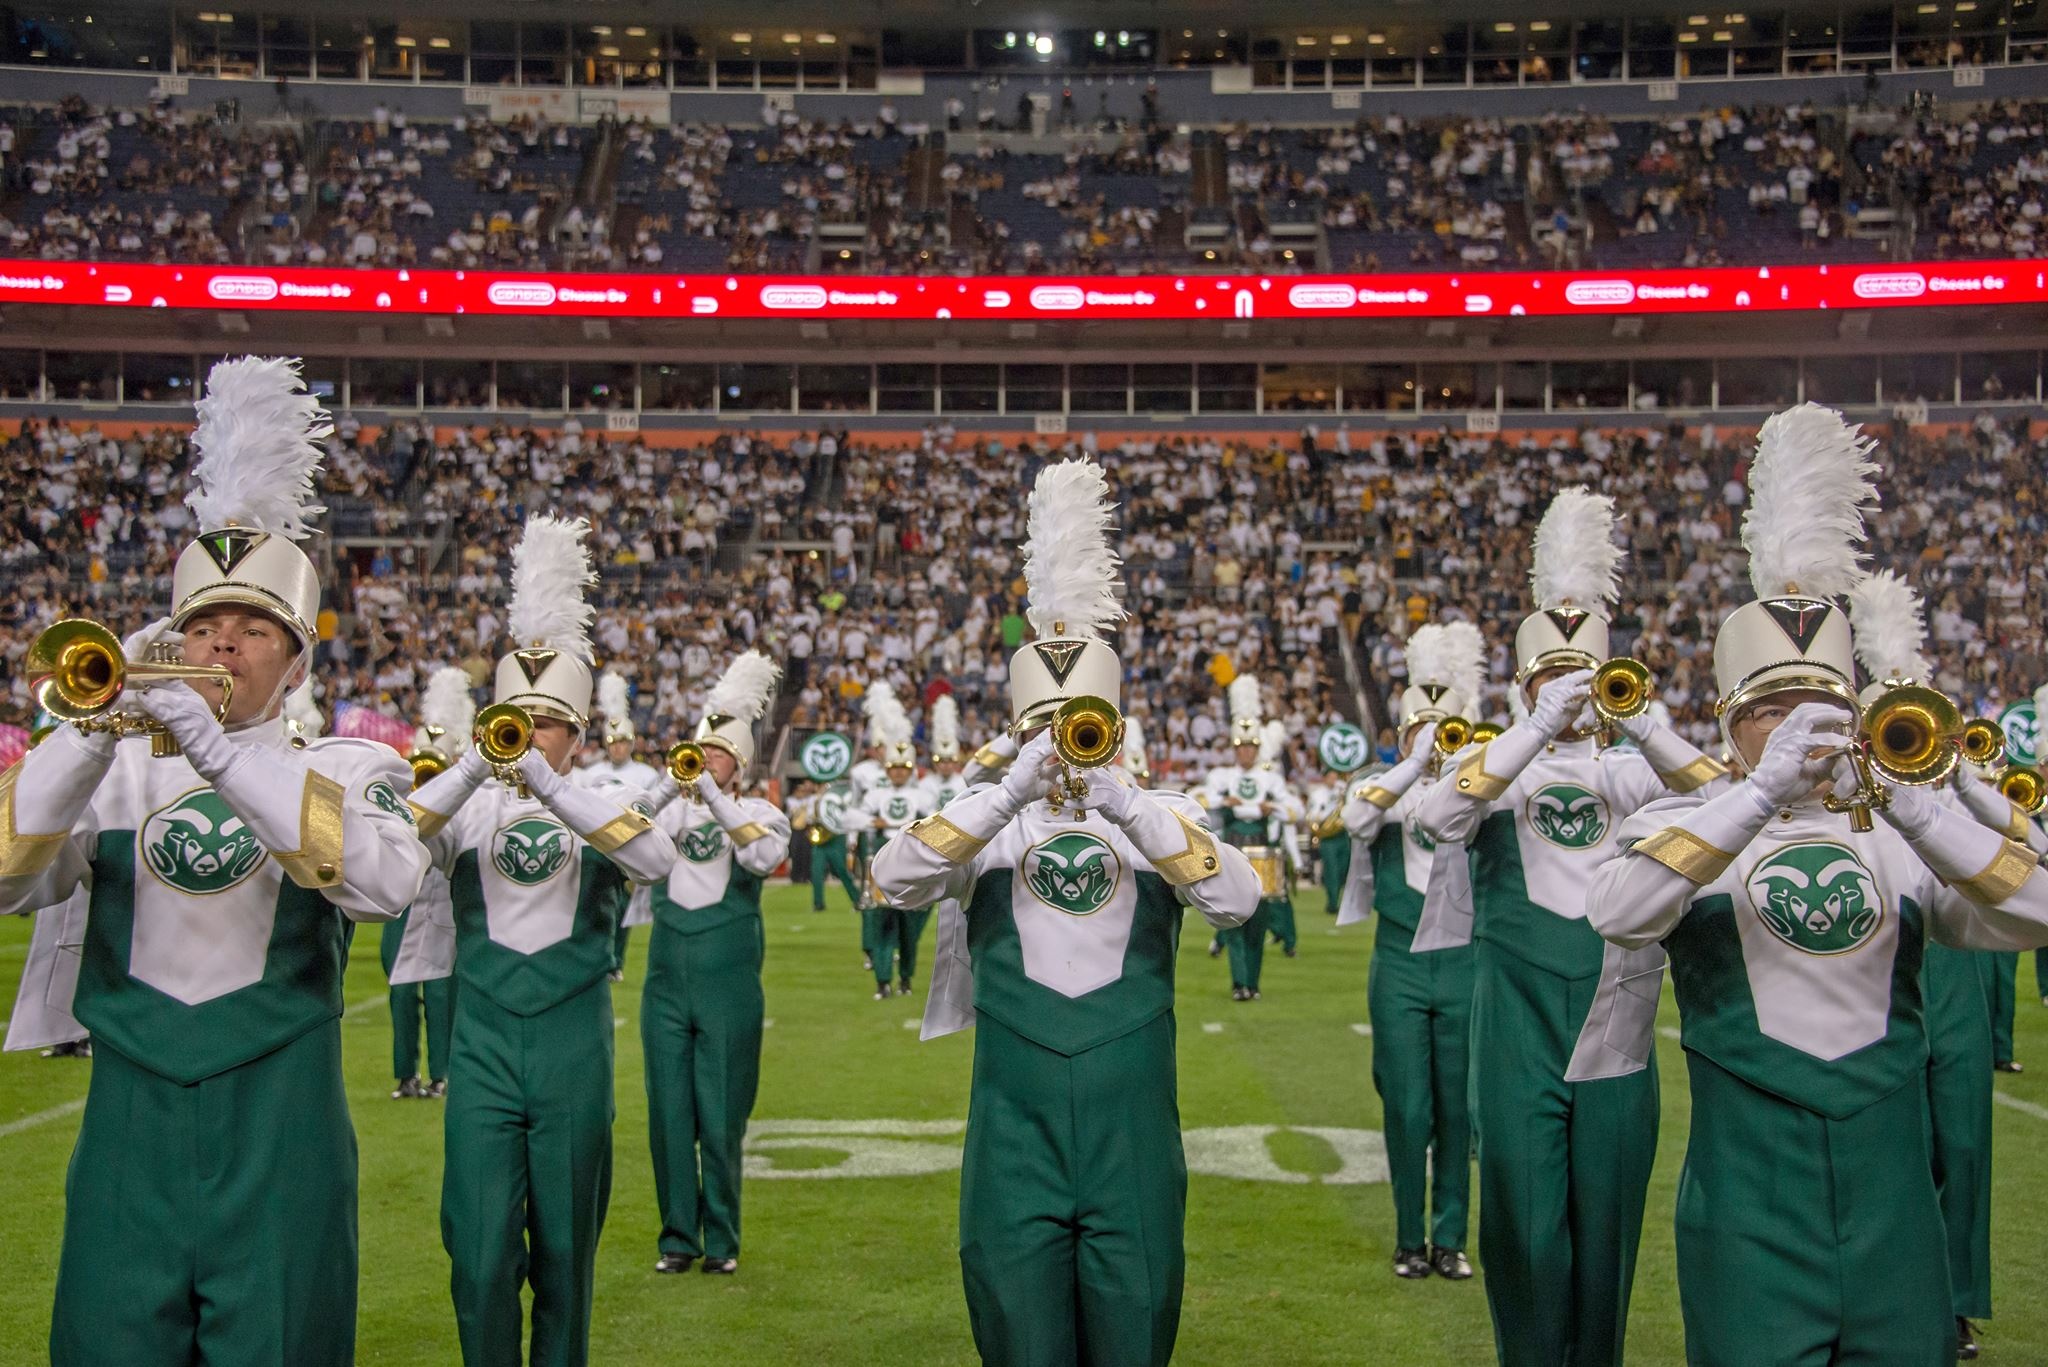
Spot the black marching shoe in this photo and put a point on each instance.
(408, 1089)
(1289, 951)
(1216, 950)
(1450, 1264)
(881, 992)
(2011, 1065)
(1411, 1263)
(721, 1267)
(436, 1090)
(1966, 1341)
(668, 1264)
(903, 989)
(1238, 994)
(78, 1048)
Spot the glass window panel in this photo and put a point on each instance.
(905, 388)
(1589, 384)
(21, 374)
(736, 74)
(495, 38)
(1995, 375)
(601, 385)
(1099, 388)
(1521, 385)
(778, 75)
(833, 388)
(1673, 384)
(1033, 389)
(325, 376)
(1347, 72)
(1299, 388)
(538, 38)
(387, 382)
(969, 388)
(679, 388)
(1232, 388)
(1163, 388)
(91, 376)
(1394, 71)
(1766, 383)
(1925, 377)
(1841, 379)
(1457, 387)
(1378, 388)
(529, 384)
(753, 387)
(456, 383)
(147, 378)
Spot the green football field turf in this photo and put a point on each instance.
(849, 1238)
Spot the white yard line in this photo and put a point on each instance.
(29, 1122)
(1668, 1031)
(367, 1003)
(1361, 1028)
(1212, 1027)
(2002, 1098)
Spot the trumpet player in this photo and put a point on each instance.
(539, 870)
(617, 765)
(210, 1206)
(1564, 1165)
(701, 1009)
(889, 807)
(1420, 1004)
(1071, 885)
(1795, 935)
(1244, 802)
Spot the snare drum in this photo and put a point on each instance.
(1269, 864)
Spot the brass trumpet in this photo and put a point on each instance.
(1087, 732)
(427, 764)
(1484, 731)
(1911, 736)
(1983, 743)
(818, 836)
(1452, 735)
(1621, 690)
(503, 734)
(2023, 787)
(77, 673)
(685, 762)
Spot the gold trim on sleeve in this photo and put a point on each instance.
(988, 757)
(22, 856)
(1474, 781)
(1193, 864)
(746, 835)
(2002, 877)
(616, 832)
(1685, 854)
(428, 820)
(1330, 827)
(2016, 829)
(943, 838)
(316, 863)
(1697, 774)
(1378, 796)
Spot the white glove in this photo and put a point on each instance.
(1559, 702)
(1031, 777)
(704, 788)
(1789, 769)
(1106, 793)
(1638, 728)
(1911, 809)
(1964, 777)
(538, 775)
(473, 767)
(137, 643)
(191, 722)
(1425, 741)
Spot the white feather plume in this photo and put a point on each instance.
(258, 439)
(945, 724)
(2041, 701)
(449, 703)
(1272, 741)
(746, 688)
(1887, 623)
(1576, 561)
(1134, 745)
(1810, 488)
(550, 571)
(301, 710)
(1465, 660)
(1425, 652)
(1070, 573)
(888, 723)
(1244, 698)
(613, 697)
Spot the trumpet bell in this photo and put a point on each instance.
(685, 761)
(427, 764)
(1983, 742)
(1913, 736)
(1621, 690)
(1452, 735)
(503, 733)
(817, 834)
(1087, 732)
(1484, 731)
(2024, 788)
(76, 669)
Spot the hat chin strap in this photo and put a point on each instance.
(274, 704)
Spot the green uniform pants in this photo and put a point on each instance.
(1280, 922)
(214, 1223)
(881, 937)
(2003, 982)
(1564, 1169)
(1421, 1006)
(528, 1172)
(1334, 855)
(1959, 1115)
(700, 1030)
(1809, 1242)
(438, 1000)
(1246, 945)
(625, 933)
(1073, 1200)
(828, 859)
(911, 930)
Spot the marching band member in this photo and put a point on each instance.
(1564, 1165)
(1243, 801)
(889, 808)
(538, 868)
(1420, 1004)
(945, 781)
(1284, 832)
(1340, 750)
(702, 1008)
(210, 1206)
(446, 711)
(1071, 884)
(618, 765)
(1795, 941)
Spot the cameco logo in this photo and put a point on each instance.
(793, 297)
(1891, 285)
(1322, 296)
(1594, 293)
(1057, 298)
(242, 288)
(523, 294)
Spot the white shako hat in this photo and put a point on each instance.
(615, 701)
(1888, 622)
(447, 711)
(1809, 490)
(888, 725)
(1574, 577)
(945, 728)
(739, 699)
(258, 439)
(1070, 585)
(1444, 664)
(548, 671)
(1247, 708)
